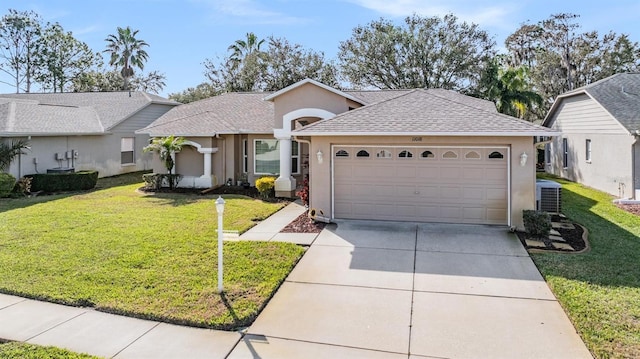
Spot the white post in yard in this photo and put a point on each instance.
(220, 210)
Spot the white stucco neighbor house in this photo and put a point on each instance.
(84, 131)
(414, 155)
(599, 145)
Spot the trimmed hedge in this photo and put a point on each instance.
(7, 181)
(56, 182)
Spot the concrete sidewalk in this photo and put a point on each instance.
(84, 330)
(269, 229)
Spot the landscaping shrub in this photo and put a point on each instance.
(265, 186)
(156, 181)
(537, 223)
(303, 193)
(55, 182)
(7, 181)
(23, 186)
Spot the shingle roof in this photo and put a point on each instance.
(618, 94)
(111, 107)
(25, 119)
(425, 112)
(236, 112)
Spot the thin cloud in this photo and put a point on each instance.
(249, 11)
(479, 12)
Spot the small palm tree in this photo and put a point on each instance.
(9, 151)
(166, 147)
(241, 49)
(126, 52)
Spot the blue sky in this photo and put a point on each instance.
(183, 33)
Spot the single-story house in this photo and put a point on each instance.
(84, 131)
(416, 155)
(599, 145)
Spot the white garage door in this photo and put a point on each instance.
(425, 184)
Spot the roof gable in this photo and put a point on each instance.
(301, 83)
(619, 95)
(425, 112)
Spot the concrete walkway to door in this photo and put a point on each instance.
(372, 289)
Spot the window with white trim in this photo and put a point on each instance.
(266, 157)
(587, 146)
(565, 153)
(127, 145)
(245, 156)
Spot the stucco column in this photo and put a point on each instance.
(207, 164)
(285, 185)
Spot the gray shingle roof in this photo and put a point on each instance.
(235, 112)
(425, 112)
(618, 94)
(110, 107)
(22, 118)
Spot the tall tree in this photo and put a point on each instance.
(191, 94)
(423, 52)
(241, 48)
(126, 52)
(19, 34)
(61, 58)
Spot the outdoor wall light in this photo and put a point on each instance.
(523, 159)
(320, 156)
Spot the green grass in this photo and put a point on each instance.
(599, 290)
(15, 350)
(149, 256)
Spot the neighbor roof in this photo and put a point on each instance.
(72, 112)
(432, 112)
(228, 113)
(618, 94)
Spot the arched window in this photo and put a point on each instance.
(342, 153)
(496, 155)
(405, 154)
(450, 155)
(472, 155)
(427, 154)
(362, 153)
(384, 154)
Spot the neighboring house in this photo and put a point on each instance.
(415, 155)
(600, 125)
(84, 131)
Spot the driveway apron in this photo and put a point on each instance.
(368, 289)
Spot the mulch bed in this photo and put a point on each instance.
(573, 237)
(631, 208)
(303, 224)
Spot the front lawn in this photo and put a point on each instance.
(599, 290)
(149, 256)
(15, 350)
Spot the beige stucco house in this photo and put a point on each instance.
(600, 125)
(413, 155)
(84, 131)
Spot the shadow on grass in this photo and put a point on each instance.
(615, 251)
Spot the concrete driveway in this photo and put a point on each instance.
(371, 289)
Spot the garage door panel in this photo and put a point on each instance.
(468, 189)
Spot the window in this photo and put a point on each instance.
(450, 155)
(565, 153)
(496, 155)
(384, 154)
(547, 154)
(245, 156)
(342, 153)
(427, 154)
(472, 155)
(266, 158)
(362, 153)
(126, 151)
(405, 154)
(588, 150)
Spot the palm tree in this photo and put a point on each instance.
(241, 49)
(126, 52)
(9, 151)
(166, 147)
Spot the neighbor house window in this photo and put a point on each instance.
(126, 151)
(547, 154)
(266, 158)
(245, 156)
(565, 153)
(588, 150)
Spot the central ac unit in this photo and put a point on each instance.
(548, 196)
